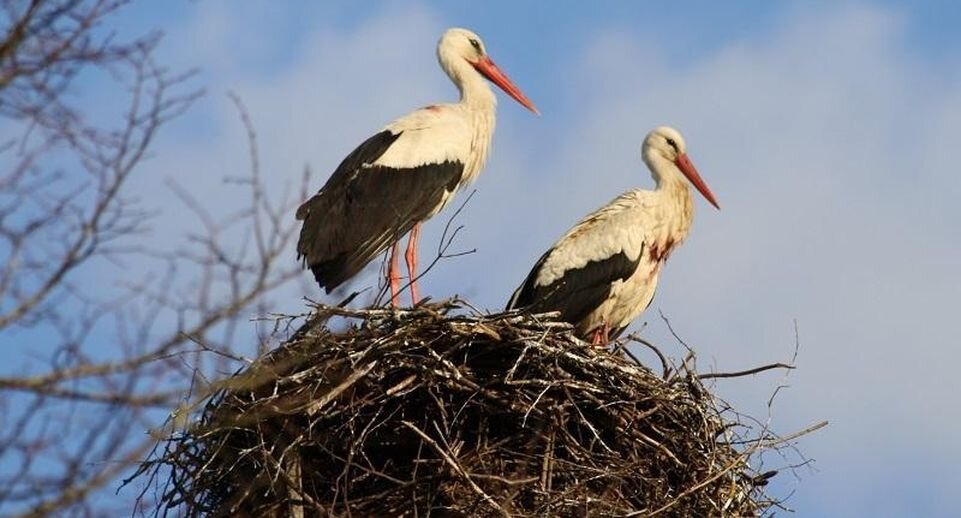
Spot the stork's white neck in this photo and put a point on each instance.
(482, 128)
(674, 194)
(480, 104)
(664, 172)
(475, 91)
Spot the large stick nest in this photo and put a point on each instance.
(432, 411)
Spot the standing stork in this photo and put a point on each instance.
(405, 174)
(603, 272)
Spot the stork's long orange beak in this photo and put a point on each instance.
(686, 167)
(488, 69)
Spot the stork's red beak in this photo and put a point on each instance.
(686, 167)
(488, 69)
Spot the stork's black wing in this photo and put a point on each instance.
(578, 291)
(364, 208)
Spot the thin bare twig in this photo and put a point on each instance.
(746, 372)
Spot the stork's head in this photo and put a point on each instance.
(665, 145)
(459, 47)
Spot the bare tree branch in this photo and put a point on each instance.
(110, 328)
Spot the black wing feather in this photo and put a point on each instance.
(363, 209)
(366, 153)
(578, 292)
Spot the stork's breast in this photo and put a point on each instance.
(632, 297)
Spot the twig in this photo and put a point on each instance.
(788, 438)
(755, 370)
(665, 365)
(456, 467)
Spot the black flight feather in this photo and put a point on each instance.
(364, 208)
(578, 292)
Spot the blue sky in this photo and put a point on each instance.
(827, 130)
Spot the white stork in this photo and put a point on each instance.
(603, 272)
(405, 174)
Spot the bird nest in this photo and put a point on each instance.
(443, 411)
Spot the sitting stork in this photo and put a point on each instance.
(404, 174)
(603, 272)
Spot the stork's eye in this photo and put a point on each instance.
(476, 44)
(672, 143)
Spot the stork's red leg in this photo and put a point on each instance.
(600, 337)
(411, 257)
(596, 337)
(393, 275)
